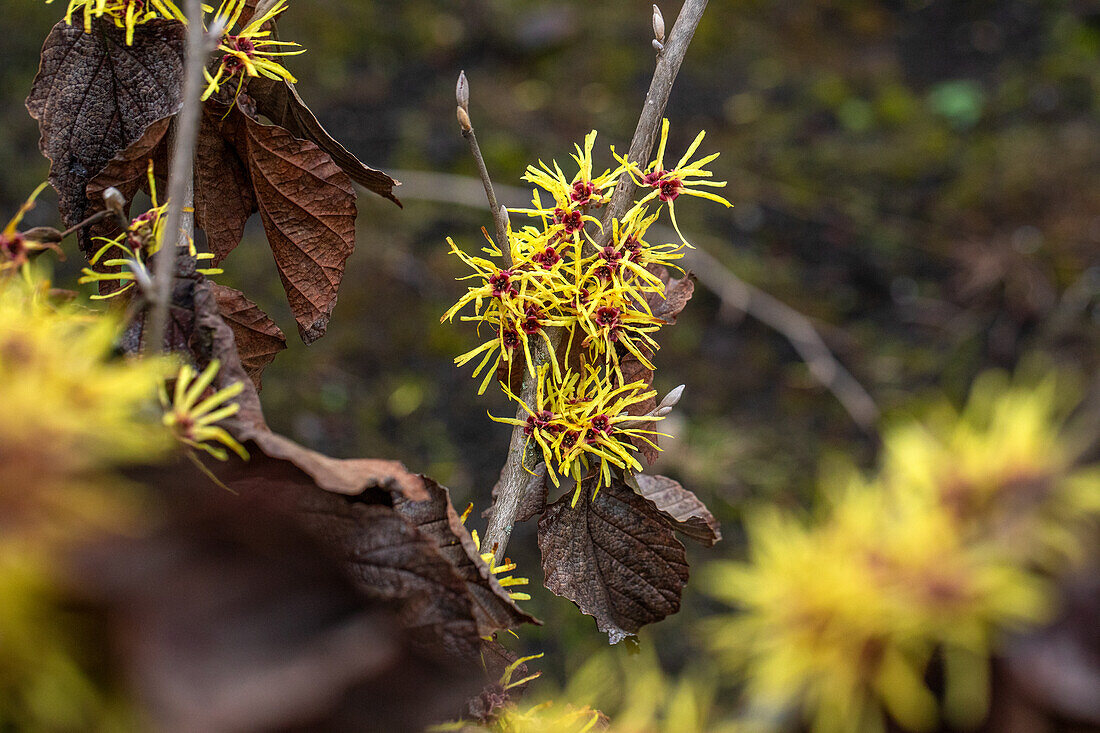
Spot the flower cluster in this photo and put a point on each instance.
(251, 51)
(937, 557)
(133, 249)
(126, 14)
(562, 271)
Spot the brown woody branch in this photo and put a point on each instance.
(178, 226)
(520, 463)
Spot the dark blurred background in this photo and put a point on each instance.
(920, 179)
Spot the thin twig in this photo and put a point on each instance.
(178, 227)
(513, 478)
(649, 123)
(734, 292)
(500, 216)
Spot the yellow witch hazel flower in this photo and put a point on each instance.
(126, 14)
(558, 272)
(841, 619)
(133, 249)
(685, 177)
(579, 421)
(15, 246)
(1005, 464)
(193, 419)
(72, 409)
(250, 52)
(506, 581)
(582, 189)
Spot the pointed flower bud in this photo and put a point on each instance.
(115, 201)
(658, 25)
(462, 92)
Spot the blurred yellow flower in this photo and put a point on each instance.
(72, 408)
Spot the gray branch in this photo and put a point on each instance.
(178, 226)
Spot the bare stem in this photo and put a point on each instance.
(500, 216)
(514, 476)
(178, 227)
(649, 122)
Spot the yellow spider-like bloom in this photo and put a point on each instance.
(194, 422)
(1004, 466)
(251, 51)
(126, 14)
(134, 248)
(582, 189)
(72, 410)
(16, 247)
(685, 177)
(841, 619)
(514, 305)
(577, 421)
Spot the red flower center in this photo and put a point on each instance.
(539, 421)
(13, 246)
(510, 337)
(531, 323)
(654, 179)
(583, 192)
(547, 258)
(601, 424)
(670, 189)
(607, 316)
(502, 284)
(571, 220)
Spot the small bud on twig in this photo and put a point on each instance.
(670, 400)
(462, 92)
(45, 235)
(463, 119)
(115, 201)
(658, 25)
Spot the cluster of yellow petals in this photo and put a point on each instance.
(554, 273)
(949, 548)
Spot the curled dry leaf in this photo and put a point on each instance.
(615, 557)
(308, 208)
(386, 557)
(258, 338)
(681, 507)
(230, 617)
(94, 96)
(280, 103)
(436, 518)
(224, 199)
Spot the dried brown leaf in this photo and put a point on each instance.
(308, 209)
(224, 199)
(231, 617)
(615, 557)
(681, 507)
(94, 96)
(436, 518)
(127, 171)
(280, 103)
(258, 338)
(386, 556)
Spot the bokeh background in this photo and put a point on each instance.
(920, 179)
